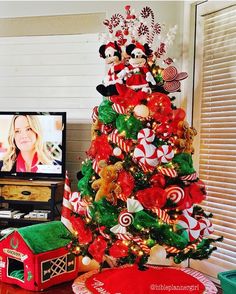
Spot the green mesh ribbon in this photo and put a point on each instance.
(128, 125)
(144, 220)
(184, 163)
(83, 184)
(104, 213)
(165, 235)
(105, 112)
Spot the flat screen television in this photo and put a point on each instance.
(32, 145)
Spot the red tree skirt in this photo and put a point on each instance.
(130, 280)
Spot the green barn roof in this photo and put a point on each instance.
(46, 236)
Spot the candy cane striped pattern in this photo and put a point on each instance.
(210, 288)
(95, 166)
(141, 244)
(161, 214)
(175, 193)
(172, 249)
(122, 197)
(170, 172)
(107, 236)
(124, 237)
(191, 177)
(67, 207)
(95, 113)
(119, 140)
(119, 108)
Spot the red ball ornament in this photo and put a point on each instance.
(126, 182)
(97, 248)
(151, 198)
(158, 180)
(119, 249)
(159, 105)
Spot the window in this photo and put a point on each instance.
(215, 119)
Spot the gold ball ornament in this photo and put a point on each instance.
(141, 111)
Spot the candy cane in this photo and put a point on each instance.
(141, 244)
(125, 145)
(119, 108)
(95, 113)
(67, 207)
(170, 172)
(163, 215)
(124, 237)
(191, 177)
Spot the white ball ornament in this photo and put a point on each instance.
(117, 151)
(86, 260)
(158, 256)
(141, 111)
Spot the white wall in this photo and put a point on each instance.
(168, 12)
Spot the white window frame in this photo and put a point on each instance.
(202, 8)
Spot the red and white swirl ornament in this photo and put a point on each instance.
(146, 136)
(165, 153)
(191, 225)
(175, 193)
(206, 227)
(145, 155)
(79, 206)
(125, 219)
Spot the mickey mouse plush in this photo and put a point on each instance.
(137, 74)
(111, 52)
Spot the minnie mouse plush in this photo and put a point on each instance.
(137, 74)
(111, 52)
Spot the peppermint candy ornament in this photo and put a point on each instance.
(125, 219)
(191, 225)
(146, 136)
(206, 227)
(165, 153)
(175, 193)
(146, 156)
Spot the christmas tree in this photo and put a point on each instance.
(138, 187)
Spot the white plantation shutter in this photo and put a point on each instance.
(215, 118)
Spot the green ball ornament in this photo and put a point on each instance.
(83, 184)
(184, 163)
(150, 242)
(177, 259)
(106, 114)
(128, 125)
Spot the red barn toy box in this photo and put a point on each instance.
(35, 257)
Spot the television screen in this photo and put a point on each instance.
(32, 144)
